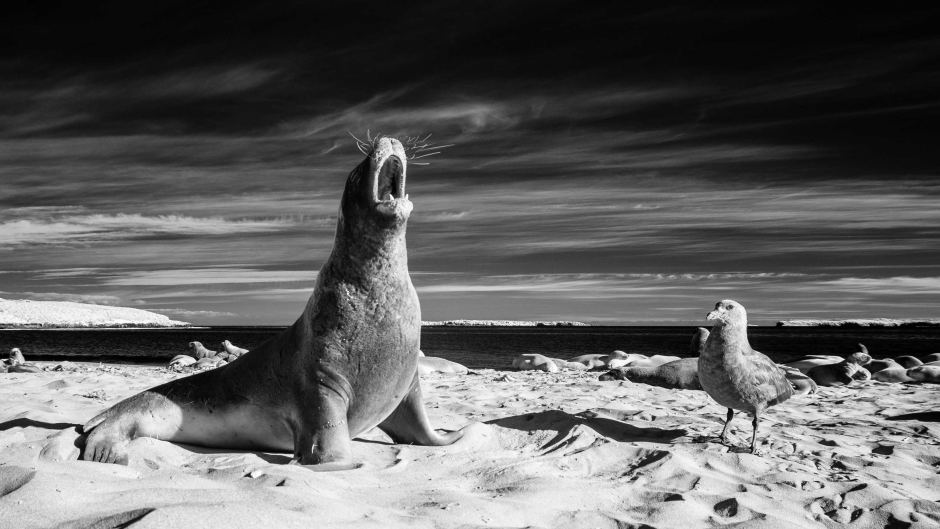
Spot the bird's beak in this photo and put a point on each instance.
(712, 316)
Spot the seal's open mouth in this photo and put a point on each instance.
(390, 180)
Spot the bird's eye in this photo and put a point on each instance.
(729, 307)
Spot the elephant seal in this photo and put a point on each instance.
(802, 384)
(181, 361)
(231, 349)
(933, 357)
(199, 351)
(349, 363)
(430, 364)
(843, 373)
(17, 363)
(697, 345)
(880, 365)
(810, 361)
(16, 357)
(651, 361)
(892, 375)
(908, 361)
(572, 366)
(594, 361)
(925, 374)
(534, 362)
(678, 374)
(675, 374)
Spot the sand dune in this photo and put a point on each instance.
(541, 450)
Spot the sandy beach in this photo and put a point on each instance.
(540, 450)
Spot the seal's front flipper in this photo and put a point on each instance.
(108, 436)
(322, 440)
(409, 424)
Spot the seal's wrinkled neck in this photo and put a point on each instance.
(374, 212)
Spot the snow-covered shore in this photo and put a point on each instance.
(869, 322)
(502, 323)
(67, 314)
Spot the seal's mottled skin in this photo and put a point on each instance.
(348, 364)
(736, 376)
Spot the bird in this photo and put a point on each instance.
(735, 375)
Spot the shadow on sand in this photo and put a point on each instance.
(25, 422)
(610, 427)
(926, 416)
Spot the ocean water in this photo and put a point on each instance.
(476, 347)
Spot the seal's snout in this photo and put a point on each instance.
(389, 173)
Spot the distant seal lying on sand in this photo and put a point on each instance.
(231, 349)
(699, 339)
(430, 364)
(925, 374)
(933, 357)
(881, 364)
(810, 361)
(892, 375)
(678, 374)
(349, 363)
(564, 364)
(650, 361)
(908, 361)
(593, 361)
(802, 384)
(198, 351)
(534, 362)
(843, 373)
(182, 361)
(17, 363)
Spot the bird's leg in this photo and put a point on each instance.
(754, 434)
(724, 432)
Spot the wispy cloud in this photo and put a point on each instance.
(93, 228)
(888, 286)
(206, 276)
(91, 99)
(596, 286)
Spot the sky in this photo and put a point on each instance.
(613, 164)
